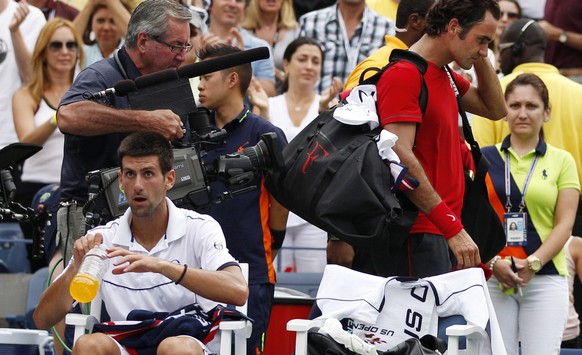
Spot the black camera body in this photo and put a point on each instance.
(167, 90)
(191, 189)
(190, 186)
(11, 211)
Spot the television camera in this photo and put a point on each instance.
(11, 211)
(170, 89)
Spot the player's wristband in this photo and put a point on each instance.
(445, 220)
(278, 237)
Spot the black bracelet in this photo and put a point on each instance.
(182, 276)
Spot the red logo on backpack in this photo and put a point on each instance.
(317, 152)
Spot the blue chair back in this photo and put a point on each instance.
(13, 248)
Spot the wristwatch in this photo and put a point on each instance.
(534, 262)
(563, 37)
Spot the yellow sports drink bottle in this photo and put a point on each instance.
(85, 284)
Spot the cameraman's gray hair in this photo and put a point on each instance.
(151, 17)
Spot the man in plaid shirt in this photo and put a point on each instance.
(349, 32)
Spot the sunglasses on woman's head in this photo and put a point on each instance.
(56, 46)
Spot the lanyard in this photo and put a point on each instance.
(351, 52)
(525, 184)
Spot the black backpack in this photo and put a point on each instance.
(335, 179)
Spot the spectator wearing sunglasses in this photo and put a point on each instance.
(54, 59)
(510, 11)
(103, 24)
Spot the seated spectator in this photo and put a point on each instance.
(103, 24)
(274, 22)
(225, 16)
(57, 52)
(292, 111)
(160, 258)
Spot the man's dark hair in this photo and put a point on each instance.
(244, 71)
(468, 12)
(532, 35)
(409, 7)
(523, 41)
(141, 144)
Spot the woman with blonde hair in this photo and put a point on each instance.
(275, 22)
(56, 57)
(54, 60)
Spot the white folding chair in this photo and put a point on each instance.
(241, 329)
(475, 335)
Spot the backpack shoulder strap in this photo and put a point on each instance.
(398, 55)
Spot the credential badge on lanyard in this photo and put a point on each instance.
(516, 222)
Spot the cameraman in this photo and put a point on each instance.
(158, 37)
(254, 222)
(179, 256)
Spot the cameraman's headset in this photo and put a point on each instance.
(517, 47)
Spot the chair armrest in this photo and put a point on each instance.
(472, 333)
(300, 327)
(242, 330)
(81, 322)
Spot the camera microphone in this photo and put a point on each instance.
(156, 78)
(223, 62)
(121, 88)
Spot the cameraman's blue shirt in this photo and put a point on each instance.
(244, 219)
(81, 153)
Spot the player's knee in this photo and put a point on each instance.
(179, 346)
(97, 343)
